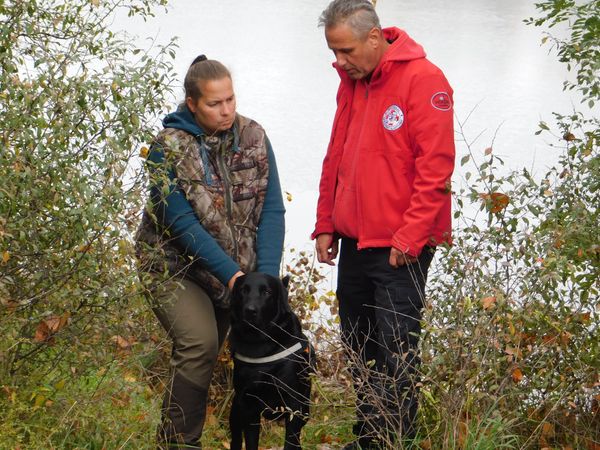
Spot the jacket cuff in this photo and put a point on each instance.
(321, 229)
(225, 273)
(410, 248)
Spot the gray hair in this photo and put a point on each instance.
(359, 15)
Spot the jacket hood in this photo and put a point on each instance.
(183, 119)
(402, 48)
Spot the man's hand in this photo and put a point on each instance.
(327, 248)
(399, 258)
(231, 281)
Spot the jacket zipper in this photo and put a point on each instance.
(228, 198)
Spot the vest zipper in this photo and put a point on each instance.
(228, 198)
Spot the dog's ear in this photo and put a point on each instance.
(282, 305)
(286, 282)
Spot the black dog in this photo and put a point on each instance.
(272, 361)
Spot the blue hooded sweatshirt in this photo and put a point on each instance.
(176, 214)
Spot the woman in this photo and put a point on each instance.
(215, 212)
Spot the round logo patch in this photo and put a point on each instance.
(441, 101)
(393, 118)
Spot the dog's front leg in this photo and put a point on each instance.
(293, 428)
(235, 425)
(251, 429)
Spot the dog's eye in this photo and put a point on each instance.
(266, 291)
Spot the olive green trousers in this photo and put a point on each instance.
(197, 330)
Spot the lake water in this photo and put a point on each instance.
(283, 76)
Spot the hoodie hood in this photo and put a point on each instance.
(402, 46)
(402, 49)
(183, 119)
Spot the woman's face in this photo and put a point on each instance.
(215, 109)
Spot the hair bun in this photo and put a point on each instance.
(199, 58)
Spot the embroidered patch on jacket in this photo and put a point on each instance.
(441, 101)
(393, 118)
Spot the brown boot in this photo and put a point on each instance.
(183, 415)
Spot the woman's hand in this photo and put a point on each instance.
(231, 282)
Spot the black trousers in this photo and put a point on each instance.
(380, 313)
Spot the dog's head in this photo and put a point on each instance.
(259, 299)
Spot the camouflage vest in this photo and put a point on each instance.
(225, 182)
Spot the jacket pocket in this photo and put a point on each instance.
(244, 180)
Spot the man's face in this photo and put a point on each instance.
(358, 57)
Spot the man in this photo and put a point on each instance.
(385, 191)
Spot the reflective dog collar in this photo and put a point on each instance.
(267, 359)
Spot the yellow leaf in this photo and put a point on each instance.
(565, 337)
(496, 201)
(129, 378)
(48, 327)
(425, 444)
(42, 333)
(511, 329)
(488, 302)
(548, 429)
(84, 248)
(39, 400)
(144, 152)
(517, 375)
(121, 342)
(288, 196)
(56, 323)
(212, 420)
(463, 433)
(512, 351)
(5, 256)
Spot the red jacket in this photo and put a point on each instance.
(405, 153)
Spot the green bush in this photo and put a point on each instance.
(513, 320)
(77, 102)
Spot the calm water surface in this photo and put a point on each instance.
(283, 76)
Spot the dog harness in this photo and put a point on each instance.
(271, 358)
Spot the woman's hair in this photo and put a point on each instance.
(202, 69)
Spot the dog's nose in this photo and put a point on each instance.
(251, 312)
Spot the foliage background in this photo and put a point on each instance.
(510, 345)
